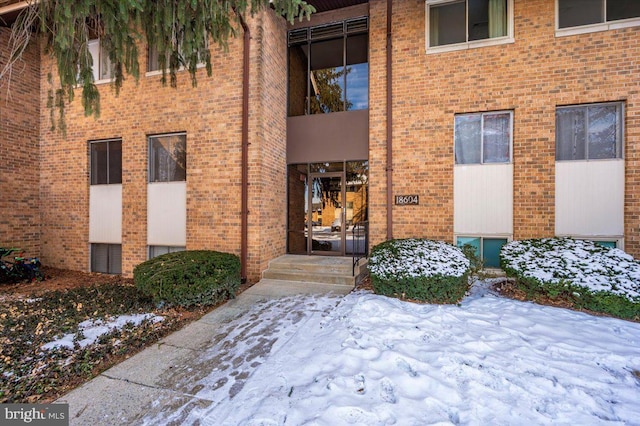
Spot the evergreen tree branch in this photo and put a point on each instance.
(180, 30)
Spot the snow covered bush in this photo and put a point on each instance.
(431, 271)
(586, 274)
(189, 278)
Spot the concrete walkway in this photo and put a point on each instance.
(164, 382)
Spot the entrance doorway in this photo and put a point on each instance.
(328, 212)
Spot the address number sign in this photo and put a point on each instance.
(407, 200)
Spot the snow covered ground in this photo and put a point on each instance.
(373, 360)
(91, 330)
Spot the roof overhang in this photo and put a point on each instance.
(326, 5)
(9, 10)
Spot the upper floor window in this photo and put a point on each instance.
(574, 13)
(483, 137)
(154, 59)
(329, 68)
(106, 161)
(589, 132)
(466, 23)
(168, 158)
(102, 68)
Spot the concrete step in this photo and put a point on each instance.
(310, 277)
(315, 269)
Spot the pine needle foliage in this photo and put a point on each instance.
(180, 30)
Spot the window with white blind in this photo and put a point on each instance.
(102, 68)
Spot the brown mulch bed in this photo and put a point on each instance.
(64, 279)
(54, 381)
(59, 280)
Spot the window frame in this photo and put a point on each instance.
(91, 168)
(473, 44)
(152, 48)
(592, 28)
(620, 114)
(150, 155)
(170, 249)
(108, 247)
(345, 31)
(102, 55)
(482, 115)
(617, 239)
(482, 237)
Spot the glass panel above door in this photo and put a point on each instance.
(326, 167)
(326, 75)
(329, 68)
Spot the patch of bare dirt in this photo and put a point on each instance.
(60, 279)
(365, 284)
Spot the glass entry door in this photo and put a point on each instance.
(327, 208)
(326, 223)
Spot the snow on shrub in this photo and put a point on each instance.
(595, 277)
(426, 270)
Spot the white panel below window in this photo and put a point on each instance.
(167, 214)
(105, 214)
(483, 199)
(590, 198)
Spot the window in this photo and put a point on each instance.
(574, 13)
(483, 138)
(589, 132)
(607, 243)
(168, 158)
(154, 60)
(329, 68)
(158, 250)
(467, 21)
(106, 162)
(487, 249)
(102, 68)
(106, 258)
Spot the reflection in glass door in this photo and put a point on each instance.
(326, 195)
(327, 212)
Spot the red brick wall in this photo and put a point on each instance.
(211, 115)
(268, 138)
(531, 76)
(19, 165)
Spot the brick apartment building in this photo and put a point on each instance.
(468, 121)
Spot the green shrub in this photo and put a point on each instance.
(579, 297)
(476, 264)
(187, 278)
(425, 270)
(582, 273)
